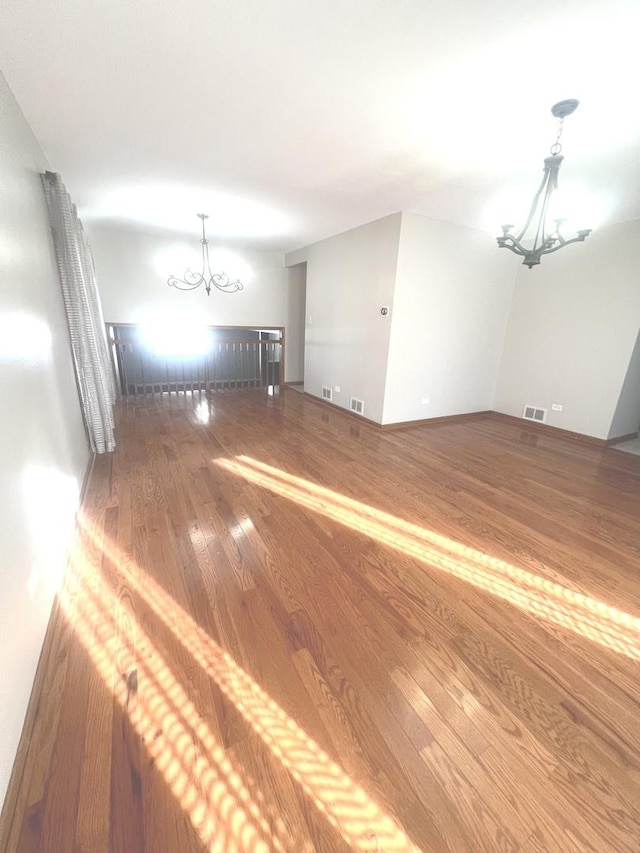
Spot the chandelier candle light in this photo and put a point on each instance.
(192, 280)
(547, 237)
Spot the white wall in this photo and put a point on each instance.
(43, 448)
(349, 278)
(626, 419)
(572, 329)
(452, 297)
(294, 334)
(133, 266)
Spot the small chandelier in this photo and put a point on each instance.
(546, 237)
(191, 280)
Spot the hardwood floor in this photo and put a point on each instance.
(283, 630)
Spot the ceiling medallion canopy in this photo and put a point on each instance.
(192, 280)
(544, 232)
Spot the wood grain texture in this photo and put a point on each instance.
(281, 629)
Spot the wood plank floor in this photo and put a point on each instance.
(285, 630)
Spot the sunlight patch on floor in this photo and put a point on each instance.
(343, 803)
(185, 751)
(533, 594)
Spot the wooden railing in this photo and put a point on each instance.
(227, 364)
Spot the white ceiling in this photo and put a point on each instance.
(290, 120)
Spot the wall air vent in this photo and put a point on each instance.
(326, 393)
(357, 406)
(533, 413)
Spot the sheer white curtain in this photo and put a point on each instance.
(84, 314)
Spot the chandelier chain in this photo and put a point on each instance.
(556, 148)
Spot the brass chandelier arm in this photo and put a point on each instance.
(552, 244)
(191, 280)
(221, 280)
(546, 180)
(580, 237)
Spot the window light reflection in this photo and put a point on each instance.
(202, 412)
(176, 340)
(242, 528)
(24, 338)
(50, 499)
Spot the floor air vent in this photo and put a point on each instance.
(532, 413)
(326, 393)
(357, 406)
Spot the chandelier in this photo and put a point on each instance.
(544, 232)
(191, 280)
